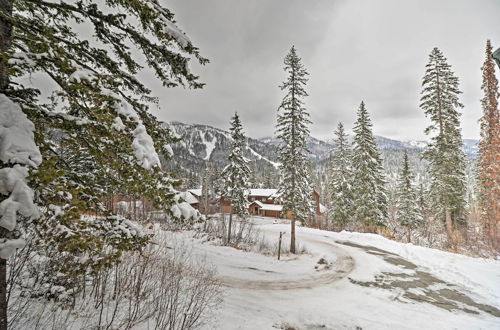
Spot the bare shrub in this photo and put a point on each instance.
(160, 286)
(266, 247)
(245, 235)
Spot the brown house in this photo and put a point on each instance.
(265, 210)
(264, 202)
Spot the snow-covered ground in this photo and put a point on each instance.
(367, 281)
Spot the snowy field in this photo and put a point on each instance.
(364, 280)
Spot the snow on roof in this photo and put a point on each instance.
(188, 197)
(196, 192)
(276, 194)
(262, 192)
(272, 207)
(258, 203)
(268, 207)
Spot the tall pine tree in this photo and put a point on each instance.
(407, 208)
(368, 188)
(295, 188)
(446, 159)
(489, 149)
(340, 175)
(236, 174)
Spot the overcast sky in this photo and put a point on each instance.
(354, 50)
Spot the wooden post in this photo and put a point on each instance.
(292, 235)
(229, 228)
(279, 245)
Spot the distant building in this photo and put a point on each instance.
(195, 199)
(191, 198)
(265, 202)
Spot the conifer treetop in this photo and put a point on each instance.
(440, 102)
(292, 128)
(236, 174)
(340, 177)
(489, 102)
(489, 148)
(408, 211)
(440, 93)
(369, 194)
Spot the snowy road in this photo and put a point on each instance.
(336, 269)
(368, 282)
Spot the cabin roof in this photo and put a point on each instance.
(268, 207)
(188, 197)
(196, 192)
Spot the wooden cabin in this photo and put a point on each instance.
(264, 202)
(265, 210)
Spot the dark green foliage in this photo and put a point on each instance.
(368, 188)
(295, 185)
(444, 154)
(340, 185)
(91, 116)
(237, 173)
(408, 212)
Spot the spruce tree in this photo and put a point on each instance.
(407, 208)
(294, 188)
(340, 211)
(489, 148)
(368, 188)
(95, 132)
(236, 174)
(445, 156)
(207, 188)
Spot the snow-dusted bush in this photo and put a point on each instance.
(244, 233)
(160, 286)
(266, 247)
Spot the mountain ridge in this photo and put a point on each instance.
(319, 149)
(201, 145)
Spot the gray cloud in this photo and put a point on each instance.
(354, 50)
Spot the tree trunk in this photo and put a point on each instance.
(5, 42)
(205, 211)
(449, 225)
(409, 235)
(3, 294)
(292, 236)
(135, 208)
(229, 228)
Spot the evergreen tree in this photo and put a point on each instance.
(294, 188)
(489, 148)
(446, 159)
(407, 208)
(422, 201)
(207, 188)
(95, 133)
(236, 174)
(340, 211)
(368, 188)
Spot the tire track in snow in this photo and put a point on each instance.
(343, 265)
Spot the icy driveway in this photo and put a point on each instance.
(373, 284)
